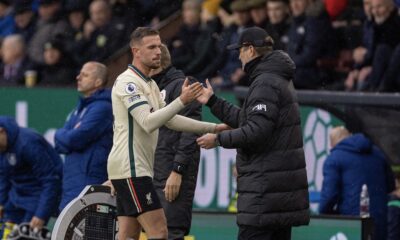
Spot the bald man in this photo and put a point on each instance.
(354, 161)
(338, 134)
(86, 138)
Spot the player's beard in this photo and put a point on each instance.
(153, 64)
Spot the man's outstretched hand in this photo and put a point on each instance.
(207, 141)
(221, 127)
(190, 92)
(206, 93)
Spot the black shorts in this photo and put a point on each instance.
(135, 196)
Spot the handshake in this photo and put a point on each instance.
(195, 91)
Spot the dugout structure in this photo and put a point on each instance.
(374, 114)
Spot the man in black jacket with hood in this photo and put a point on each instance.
(177, 155)
(272, 180)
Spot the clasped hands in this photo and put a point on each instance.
(202, 95)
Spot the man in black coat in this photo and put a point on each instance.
(177, 155)
(272, 180)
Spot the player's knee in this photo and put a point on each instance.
(164, 233)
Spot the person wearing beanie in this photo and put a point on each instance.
(57, 69)
(258, 12)
(25, 19)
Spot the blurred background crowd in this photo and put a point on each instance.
(351, 45)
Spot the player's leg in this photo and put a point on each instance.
(129, 227)
(151, 214)
(154, 223)
(137, 198)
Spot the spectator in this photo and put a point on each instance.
(310, 39)
(128, 12)
(279, 22)
(362, 55)
(391, 79)
(77, 15)
(393, 228)
(50, 24)
(15, 61)
(58, 70)
(102, 33)
(30, 175)
(86, 138)
(182, 44)
(258, 12)
(355, 161)
(25, 19)
(177, 156)
(226, 65)
(203, 46)
(386, 38)
(6, 19)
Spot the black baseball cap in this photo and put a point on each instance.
(254, 36)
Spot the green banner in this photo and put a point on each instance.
(40, 108)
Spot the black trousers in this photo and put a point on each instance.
(256, 233)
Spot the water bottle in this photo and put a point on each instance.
(364, 202)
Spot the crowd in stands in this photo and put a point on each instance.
(55, 37)
(336, 44)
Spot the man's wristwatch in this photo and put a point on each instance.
(179, 168)
(217, 143)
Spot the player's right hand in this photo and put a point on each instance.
(190, 91)
(109, 184)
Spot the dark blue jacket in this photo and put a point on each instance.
(353, 162)
(86, 140)
(30, 171)
(6, 25)
(310, 38)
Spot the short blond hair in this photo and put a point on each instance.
(337, 134)
(165, 57)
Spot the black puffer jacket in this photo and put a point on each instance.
(178, 147)
(272, 179)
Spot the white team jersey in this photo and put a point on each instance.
(132, 154)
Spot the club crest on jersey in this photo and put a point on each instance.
(163, 94)
(130, 88)
(260, 107)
